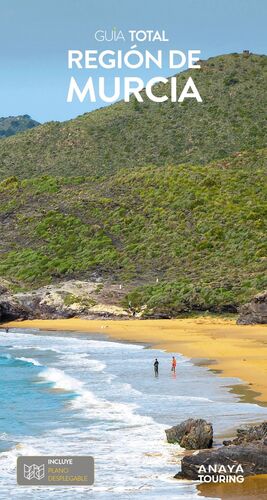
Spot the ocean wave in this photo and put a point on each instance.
(102, 344)
(29, 360)
(102, 409)
(129, 389)
(95, 365)
(8, 458)
(90, 405)
(61, 380)
(183, 398)
(82, 360)
(34, 348)
(4, 436)
(25, 360)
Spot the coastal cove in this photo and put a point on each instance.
(133, 269)
(220, 344)
(71, 365)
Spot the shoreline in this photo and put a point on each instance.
(230, 350)
(216, 343)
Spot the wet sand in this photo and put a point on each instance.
(228, 349)
(254, 487)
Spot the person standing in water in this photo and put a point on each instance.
(173, 364)
(156, 367)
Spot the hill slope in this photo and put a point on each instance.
(11, 125)
(201, 230)
(129, 135)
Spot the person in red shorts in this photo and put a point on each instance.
(173, 364)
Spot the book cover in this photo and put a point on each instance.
(133, 302)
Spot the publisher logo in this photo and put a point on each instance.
(55, 471)
(218, 473)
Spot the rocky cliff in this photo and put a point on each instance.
(63, 300)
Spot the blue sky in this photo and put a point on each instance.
(35, 36)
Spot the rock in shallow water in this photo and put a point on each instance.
(192, 434)
(251, 457)
(250, 434)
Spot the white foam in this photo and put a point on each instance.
(8, 459)
(102, 409)
(129, 389)
(30, 360)
(6, 356)
(185, 398)
(94, 365)
(34, 347)
(61, 380)
(91, 406)
(26, 360)
(4, 436)
(102, 344)
(82, 360)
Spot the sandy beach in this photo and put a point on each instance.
(229, 349)
(232, 350)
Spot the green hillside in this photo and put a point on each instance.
(201, 230)
(131, 135)
(11, 125)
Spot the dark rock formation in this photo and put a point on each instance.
(251, 434)
(192, 434)
(252, 457)
(11, 310)
(10, 307)
(255, 311)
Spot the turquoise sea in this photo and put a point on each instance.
(85, 395)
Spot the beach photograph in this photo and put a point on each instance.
(133, 263)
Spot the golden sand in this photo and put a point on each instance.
(254, 487)
(234, 350)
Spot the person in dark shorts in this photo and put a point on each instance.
(156, 367)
